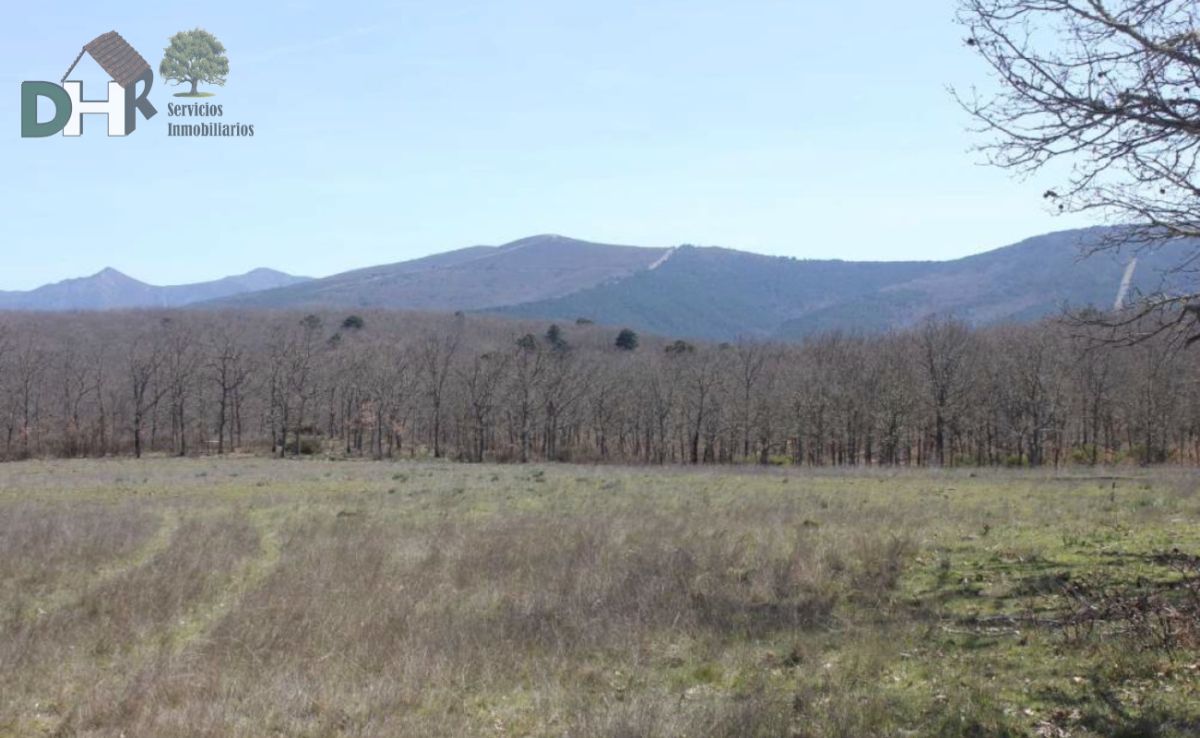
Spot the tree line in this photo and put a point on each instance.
(474, 388)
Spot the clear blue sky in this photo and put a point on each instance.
(387, 131)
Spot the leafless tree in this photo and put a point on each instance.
(481, 381)
(945, 346)
(293, 351)
(227, 369)
(1112, 89)
(751, 360)
(145, 362)
(435, 357)
(181, 362)
(77, 389)
(529, 365)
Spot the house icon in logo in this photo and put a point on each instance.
(122, 63)
(115, 56)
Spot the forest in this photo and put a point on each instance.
(476, 388)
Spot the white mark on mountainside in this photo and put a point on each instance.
(1125, 282)
(661, 260)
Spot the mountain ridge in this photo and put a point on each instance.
(719, 294)
(702, 292)
(472, 278)
(112, 289)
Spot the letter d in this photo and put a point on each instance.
(30, 92)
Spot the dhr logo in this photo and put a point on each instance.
(123, 64)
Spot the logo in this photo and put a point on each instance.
(127, 69)
(192, 58)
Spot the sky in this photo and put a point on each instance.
(388, 131)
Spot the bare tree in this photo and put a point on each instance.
(144, 365)
(529, 365)
(481, 381)
(228, 370)
(435, 356)
(895, 405)
(393, 385)
(945, 345)
(698, 374)
(181, 362)
(562, 386)
(751, 359)
(76, 387)
(1094, 384)
(293, 350)
(1112, 88)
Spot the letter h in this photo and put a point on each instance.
(114, 107)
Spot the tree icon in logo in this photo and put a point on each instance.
(194, 56)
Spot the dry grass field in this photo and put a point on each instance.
(252, 597)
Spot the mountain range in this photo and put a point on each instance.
(689, 291)
(109, 289)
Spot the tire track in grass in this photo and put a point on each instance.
(102, 576)
(193, 627)
(189, 629)
(190, 552)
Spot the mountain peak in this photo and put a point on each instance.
(107, 278)
(265, 272)
(541, 239)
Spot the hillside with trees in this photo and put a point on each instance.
(722, 294)
(477, 277)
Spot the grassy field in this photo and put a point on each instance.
(252, 597)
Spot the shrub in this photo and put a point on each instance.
(627, 340)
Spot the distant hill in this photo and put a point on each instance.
(475, 278)
(719, 294)
(109, 289)
(1026, 281)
